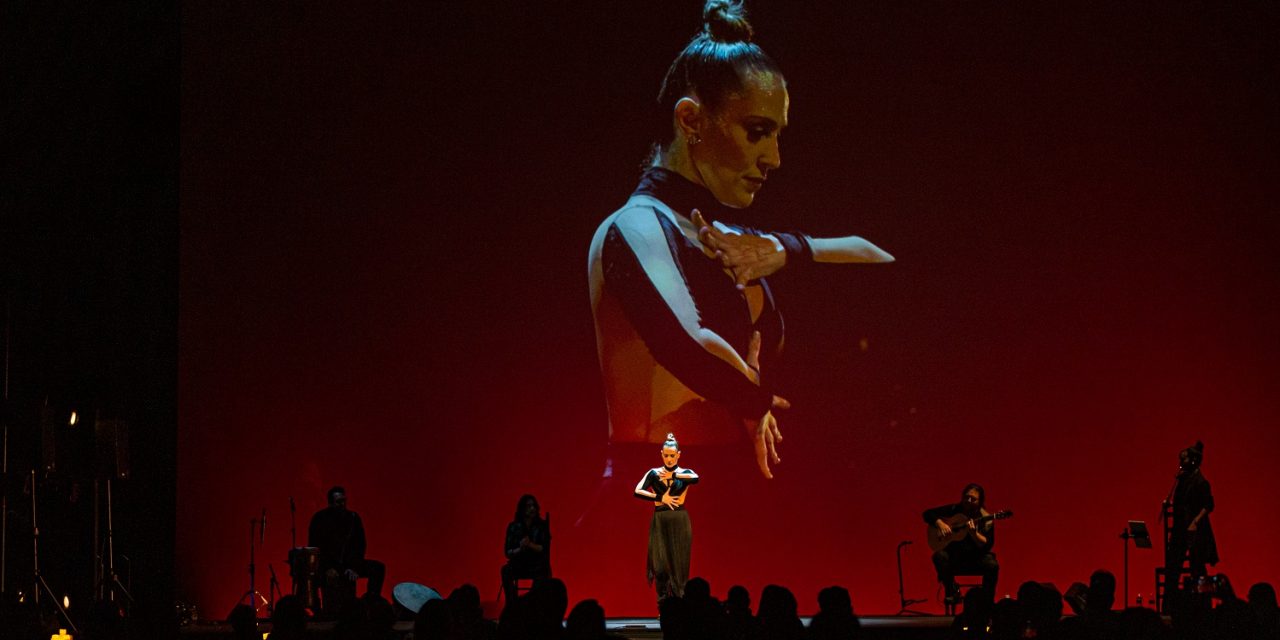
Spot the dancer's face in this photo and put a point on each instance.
(670, 457)
(740, 140)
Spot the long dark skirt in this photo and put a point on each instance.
(670, 540)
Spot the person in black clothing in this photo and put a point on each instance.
(670, 532)
(527, 546)
(339, 534)
(1192, 534)
(971, 554)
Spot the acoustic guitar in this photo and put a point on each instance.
(959, 524)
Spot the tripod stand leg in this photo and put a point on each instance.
(41, 584)
(35, 563)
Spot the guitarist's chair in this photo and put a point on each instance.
(962, 587)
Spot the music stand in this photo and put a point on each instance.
(1136, 531)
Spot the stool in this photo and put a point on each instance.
(949, 608)
(522, 583)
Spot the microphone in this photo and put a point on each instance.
(292, 509)
(262, 532)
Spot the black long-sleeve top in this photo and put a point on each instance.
(527, 559)
(339, 534)
(968, 543)
(651, 489)
(671, 327)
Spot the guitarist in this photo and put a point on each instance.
(970, 552)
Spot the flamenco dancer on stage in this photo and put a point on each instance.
(670, 532)
(686, 323)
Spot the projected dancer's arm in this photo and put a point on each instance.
(751, 257)
(639, 266)
(764, 431)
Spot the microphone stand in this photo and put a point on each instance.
(293, 548)
(902, 594)
(35, 564)
(111, 579)
(1172, 583)
(252, 594)
(4, 463)
(273, 590)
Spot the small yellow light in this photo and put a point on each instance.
(72, 421)
(66, 602)
(60, 635)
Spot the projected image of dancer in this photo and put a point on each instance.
(687, 327)
(670, 532)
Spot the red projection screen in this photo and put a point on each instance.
(386, 214)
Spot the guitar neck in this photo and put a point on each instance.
(980, 520)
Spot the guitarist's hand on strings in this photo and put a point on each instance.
(944, 529)
(977, 533)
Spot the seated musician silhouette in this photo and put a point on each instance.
(339, 534)
(971, 537)
(527, 547)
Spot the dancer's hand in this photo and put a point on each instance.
(748, 257)
(669, 501)
(766, 436)
(764, 432)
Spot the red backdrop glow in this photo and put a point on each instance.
(386, 214)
